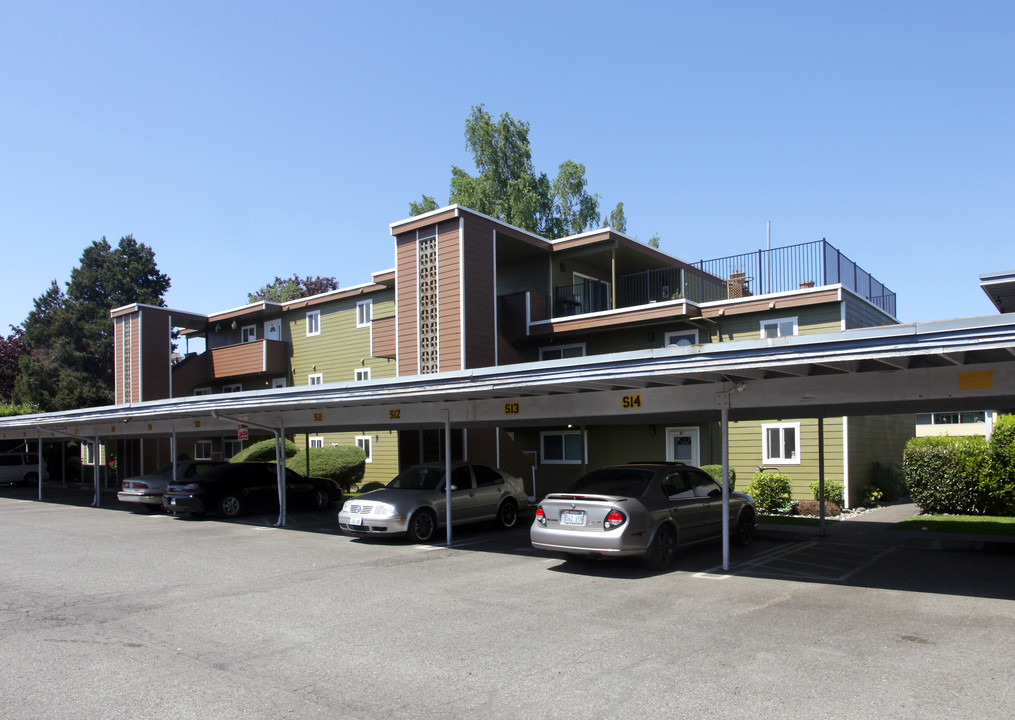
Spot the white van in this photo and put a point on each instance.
(21, 468)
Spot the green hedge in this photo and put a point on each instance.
(834, 492)
(345, 464)
(263, 451)
(944, 474)
(716, 472)
(770, 490)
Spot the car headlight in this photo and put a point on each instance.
(383, 510)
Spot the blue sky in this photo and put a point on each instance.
(245, 140)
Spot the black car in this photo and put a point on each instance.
(235, 488)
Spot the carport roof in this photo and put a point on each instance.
(956, 364)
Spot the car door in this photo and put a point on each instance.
(463, 495)
(490, 487)
(684, 505)
(710, 493)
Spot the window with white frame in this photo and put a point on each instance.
(87, 453)
(781, 443)
(681, 338)
(362, 374)
(231, 447)
(314, 323)
(562, 447)
(557, 352)
(365, 442)
(317, 442)
(234, 387)
(779, 327)
(364, 313)
(202, 450)
(202, 391)
(315, 379)
(278, 382)
(248, 333)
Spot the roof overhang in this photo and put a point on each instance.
(1000, 288)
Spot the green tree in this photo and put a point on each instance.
(286, 289)
(70, 364)
(12, 349)
(507, 186)
(616, 219)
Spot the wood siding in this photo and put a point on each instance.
(156, 355)
(382, 341)
(407, 316)
(860, 313)
(479, 294)
(449, 295)
(813, 319)
(250, 358)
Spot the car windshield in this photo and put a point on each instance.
(420, 477)
(628, 482)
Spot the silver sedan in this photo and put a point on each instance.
(414, 503)
(642, 509)
(145, 491)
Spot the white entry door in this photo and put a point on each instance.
(273, 330)
(682, 445)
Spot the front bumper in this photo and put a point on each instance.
(365, 524)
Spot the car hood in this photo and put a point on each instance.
(396, 497)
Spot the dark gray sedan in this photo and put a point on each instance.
(642, 509)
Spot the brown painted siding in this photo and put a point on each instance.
(449, 295)
(155, 351)
(192, 372)
(240, 359)
(408, 337)
(479, 295)
(382, 340)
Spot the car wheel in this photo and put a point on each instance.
(507, 515)
(320, 499)
(30, 479)
(662, 551)
(230, 506)
(422, 526)
(745, 530)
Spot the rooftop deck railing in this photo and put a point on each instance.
(757, 273)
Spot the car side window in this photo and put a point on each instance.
(677, 486)
(704, 484)
(486, 476)
(461, 479)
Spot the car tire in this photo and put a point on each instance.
(662, 551)
(743, 533)
(231, 506)
(507, 514)
(30, 479)
(320, 499)
(422, 526)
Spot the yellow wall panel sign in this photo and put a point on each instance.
(976, 380)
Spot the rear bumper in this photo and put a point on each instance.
(133, 497)
(586, 543)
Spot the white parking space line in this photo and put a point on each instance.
(827, 562)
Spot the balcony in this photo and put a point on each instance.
(249, 358)
(736, 276)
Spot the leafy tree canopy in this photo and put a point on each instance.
(508, 187)
(294, 288)
(70, 336)
(12, 348)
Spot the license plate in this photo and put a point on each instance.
(355, 520)
(572, 517)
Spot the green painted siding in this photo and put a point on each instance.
(860, 313)
(746, 453)
(384, 462)
(817, 319)
(874, 438)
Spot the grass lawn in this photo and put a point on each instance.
(970, 524)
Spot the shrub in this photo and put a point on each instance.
(263, 451)
(834, 491)
(770, 490)
(345, 464)
(998, 481)
(943, 474)
(888, 479)
(872, 496)
(812, 508)
(716, 472)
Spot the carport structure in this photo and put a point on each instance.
(954, 365)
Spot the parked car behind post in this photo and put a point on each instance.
(642, 509)
(414, 503)
(235, 488)
(21, 468)
(145, 491)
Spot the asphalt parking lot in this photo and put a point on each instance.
(111, 614)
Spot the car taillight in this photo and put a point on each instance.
(540, 515)
(614, 518)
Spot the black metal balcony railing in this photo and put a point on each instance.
(757, 273)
